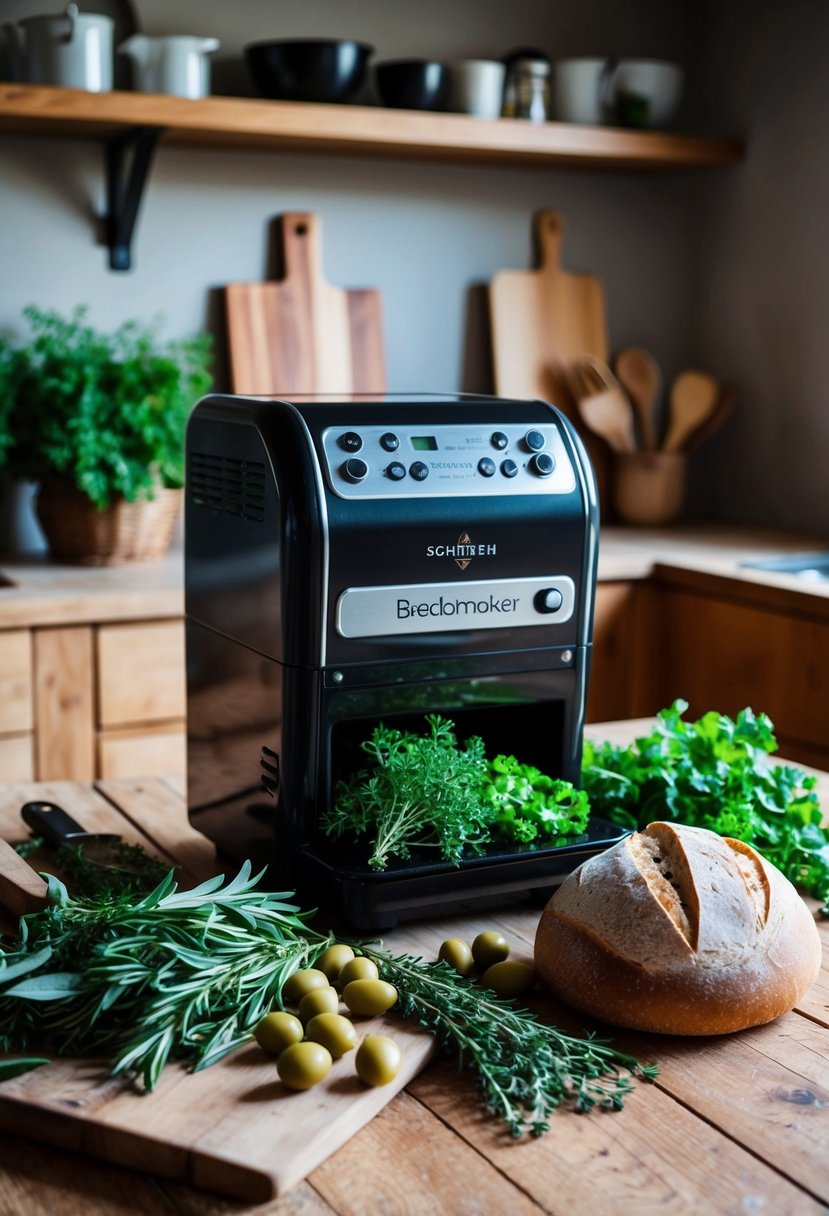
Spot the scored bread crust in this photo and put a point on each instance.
(677, 930)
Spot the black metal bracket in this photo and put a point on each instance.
(128, 160)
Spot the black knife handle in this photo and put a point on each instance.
(55, 825)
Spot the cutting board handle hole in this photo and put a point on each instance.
(302, 229)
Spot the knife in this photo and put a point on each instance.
(57, 827)
(114, 861)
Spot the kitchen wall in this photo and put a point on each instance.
(426, 234)
(722, 268)
(761, 296)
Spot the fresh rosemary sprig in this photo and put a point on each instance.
(524, 1067)
(176, 975)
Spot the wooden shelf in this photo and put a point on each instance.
(355, 130)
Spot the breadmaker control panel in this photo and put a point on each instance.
(446, 460)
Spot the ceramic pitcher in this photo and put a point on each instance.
(175, 63)
(69, 48)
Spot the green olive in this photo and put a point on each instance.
(457, 954)
(358, 969)
(377, 1060)
(318, 1000)
(303, 1064)
(336, 1034)
(277, 1031)
(488, 948)
(509, 978)
(369, 996)
(296, 986)
(332, 960)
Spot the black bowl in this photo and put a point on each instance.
(307, 69)
(411, 84)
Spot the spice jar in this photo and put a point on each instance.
(527, 87)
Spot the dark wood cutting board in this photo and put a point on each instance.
(299, 334)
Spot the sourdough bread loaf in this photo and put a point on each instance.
(680, 931)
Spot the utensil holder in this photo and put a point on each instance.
(648, 487)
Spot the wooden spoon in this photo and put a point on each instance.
(602, 403)
(693, 399)
(720, 413)
(640, 376)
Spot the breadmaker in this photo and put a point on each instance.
(357, 560)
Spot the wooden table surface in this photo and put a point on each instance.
(734, 1124)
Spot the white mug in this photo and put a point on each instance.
(71, 48)
(476, 86)
(582, 90)
(175, 63)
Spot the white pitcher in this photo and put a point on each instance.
(174, 63)
(69, 48)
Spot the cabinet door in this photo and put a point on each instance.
(727, 655)
(15, 681)
(140, 673)
(64, 704)
(140, 753)
(608, 694)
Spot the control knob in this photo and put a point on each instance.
(355, 470)
(542, 464)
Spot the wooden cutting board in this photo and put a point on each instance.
(544, 320)
(299, 334)
(232, 1128)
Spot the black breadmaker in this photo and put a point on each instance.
(356, 561)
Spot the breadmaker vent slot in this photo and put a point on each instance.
(227, 485)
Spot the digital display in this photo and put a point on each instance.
(424, 443)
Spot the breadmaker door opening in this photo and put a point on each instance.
(533, 733)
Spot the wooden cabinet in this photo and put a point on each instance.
(623, 671)
(16, 706)
(86, 701)
(725, 651)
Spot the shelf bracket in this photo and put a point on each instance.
(128, 160)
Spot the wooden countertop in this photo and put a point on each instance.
(40, 592)
(733, 1124)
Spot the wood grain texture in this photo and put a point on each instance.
(300, 334)
(361, 130)
(543, 322)
(22, 890)
(15, 681)
(17, 757)
(140, 673)
(733, 1124)
(65, 704)
(130, 753)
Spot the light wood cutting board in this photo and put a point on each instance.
(232, 1128)
(542, 322)
(299, 334)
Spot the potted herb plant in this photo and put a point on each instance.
(98, 420)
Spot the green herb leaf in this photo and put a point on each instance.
(16, 1067)
(715, 773)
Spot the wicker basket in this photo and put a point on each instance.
(78, 533)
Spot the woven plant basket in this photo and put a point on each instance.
(78, 533)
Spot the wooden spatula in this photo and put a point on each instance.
(640, 376)
(602, 403)
(694, 397)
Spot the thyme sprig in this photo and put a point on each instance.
(525, 1068)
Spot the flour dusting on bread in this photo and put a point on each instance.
(680, 931)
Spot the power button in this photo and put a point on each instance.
(549, 599)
